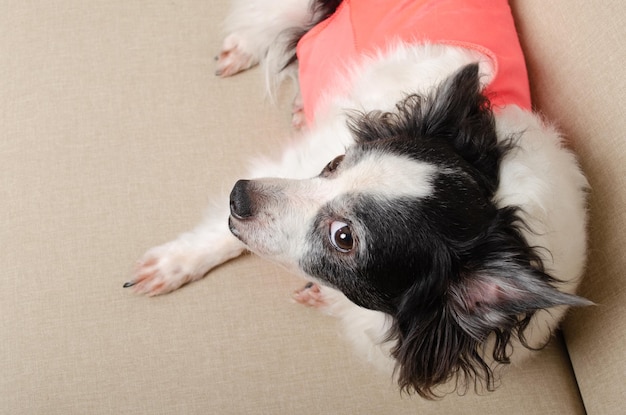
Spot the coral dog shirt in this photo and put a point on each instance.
(361, 27)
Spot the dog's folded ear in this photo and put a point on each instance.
(502, 282)
(490, 297)
(501, 297)
(435, 345)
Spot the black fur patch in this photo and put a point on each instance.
(456, 116)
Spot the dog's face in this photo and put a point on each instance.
(379, 218)
(404, 223)
(349, 227)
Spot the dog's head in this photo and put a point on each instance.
(404, 223)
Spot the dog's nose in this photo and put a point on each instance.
(241, 206)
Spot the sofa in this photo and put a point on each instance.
(115, 134)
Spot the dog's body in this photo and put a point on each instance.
(444, 235)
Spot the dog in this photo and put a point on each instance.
(432, 212)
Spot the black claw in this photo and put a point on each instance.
(129, 284)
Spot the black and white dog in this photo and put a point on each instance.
(448, 227)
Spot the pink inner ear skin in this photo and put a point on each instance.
(480, 293)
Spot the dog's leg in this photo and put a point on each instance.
(187, 258)
(193, 254)
(253, 27)
(310, 295)
(298, 120)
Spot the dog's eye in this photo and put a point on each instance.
(341, 236)
(332, 166)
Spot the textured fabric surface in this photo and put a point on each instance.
(576, 58)
(114, 134)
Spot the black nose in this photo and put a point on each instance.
(241, 206)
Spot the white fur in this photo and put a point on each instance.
(541, 176)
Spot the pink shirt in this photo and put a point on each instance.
(366, 26)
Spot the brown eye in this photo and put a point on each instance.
(332, 166)
(340, 236)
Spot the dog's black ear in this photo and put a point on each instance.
(493, 292)
(455, 113)
(456, 104)
(500, 292)
(461, 114)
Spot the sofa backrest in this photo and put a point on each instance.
(577, 58)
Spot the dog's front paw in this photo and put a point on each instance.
(298, 119)
(234, 57)
(310, 295)
(163, 269)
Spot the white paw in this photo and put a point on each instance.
(311, 295)
(165, 268)
(234, 57)
(298, 119)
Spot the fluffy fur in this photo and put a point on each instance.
(447, 237)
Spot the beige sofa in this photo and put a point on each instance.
(114, 132)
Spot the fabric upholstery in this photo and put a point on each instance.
(576, 59)
(115, 135)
